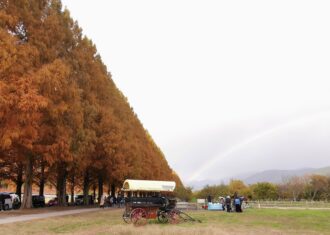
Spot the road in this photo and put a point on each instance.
(28, 217)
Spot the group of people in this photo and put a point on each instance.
(233, 203)
(111, 201)
(230, 203)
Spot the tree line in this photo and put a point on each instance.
(308, 187)
(63, 121)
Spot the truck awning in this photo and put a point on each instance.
(148, 185)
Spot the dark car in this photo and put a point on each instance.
(53, 202)
(79, 200)
(38, 201)
(5, 201)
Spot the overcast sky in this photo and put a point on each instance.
(224, 87)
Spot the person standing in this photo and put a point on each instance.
(111, 201)
(228, 203)
(118, 200)
(114, 201)
(209, 199)
(222, 202)
(238, 207)
(108, 201)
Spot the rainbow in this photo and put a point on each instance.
(266, 133)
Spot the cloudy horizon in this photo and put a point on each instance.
(224, 88)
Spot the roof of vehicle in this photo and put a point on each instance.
(4, 196)
(148, 185)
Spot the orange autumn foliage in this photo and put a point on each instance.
(60, 110)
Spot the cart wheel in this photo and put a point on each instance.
(139, 217)
(127, 217)
(174, 216)
(162, 217)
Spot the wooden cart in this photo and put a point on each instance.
(148, 199)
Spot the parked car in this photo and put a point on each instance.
(53, 202)
(79, 200)
(16, 201)
(38, 201)
(6, 202)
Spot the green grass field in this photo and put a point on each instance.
(252, 221)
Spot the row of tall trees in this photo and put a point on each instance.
(63, 121)
(308, 187)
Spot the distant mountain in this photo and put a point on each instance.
(322, 171)
(197, 185)
(272, 176)
(277, 176)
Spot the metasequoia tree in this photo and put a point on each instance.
(11, 168)
(21, 105)
(62, 118)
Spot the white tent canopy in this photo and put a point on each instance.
(148, 185)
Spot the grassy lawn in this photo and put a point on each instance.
(252, 221)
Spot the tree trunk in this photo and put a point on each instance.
(94, 193)
(19, 181)
(27, 199)
(61, 184)
(314, 195)
(295, 196)
(42, 179)
(86, 187)
(72, 188)
(100, 187)
(109, 189)
(113, 190)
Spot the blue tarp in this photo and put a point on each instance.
(214, 206)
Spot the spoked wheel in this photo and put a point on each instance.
(174, 216)
(139, 217)
(162, 217)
